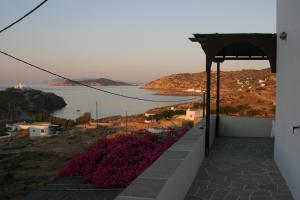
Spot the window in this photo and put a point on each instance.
(42, 130)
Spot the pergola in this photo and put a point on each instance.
(221, 47)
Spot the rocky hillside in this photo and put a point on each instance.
(18, 103)
(91, 82)
(248, 92)
(230, 80)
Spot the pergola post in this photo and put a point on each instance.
(207, 118)
(221, 47)
(218, 100)
(203, 105)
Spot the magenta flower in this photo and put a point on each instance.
(116, 162)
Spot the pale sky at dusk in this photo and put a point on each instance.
(128, 40)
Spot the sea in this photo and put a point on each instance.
(80, 99)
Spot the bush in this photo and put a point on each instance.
(196, 105)
(43, 117)
(84, 119)
(116, 162)
(3, 133)
(243, 107)
(231, 109)
(228, 109)
(273, 109)
(167, 114)
(254, 112)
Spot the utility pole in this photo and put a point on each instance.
(203, 105)
(126, 121)
(97, 113)
(9, 111)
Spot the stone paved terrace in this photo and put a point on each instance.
(71, 188)
(239, 169)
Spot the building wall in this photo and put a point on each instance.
(287, 143)
(193, 114)
(245, 126)
(37, 131)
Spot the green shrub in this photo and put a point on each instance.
(234, 109)
(167, 114)
(273, 109)
(243, 107)
(228, 109)
(43, 117)
(196, 105)
(85, 118)
(254, 112)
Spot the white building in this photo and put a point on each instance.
(192, 114)
(287, 121)
(18, 126)
(40, 129)
(156, 130)
(35, 129)
(190, 90)
(21, 86)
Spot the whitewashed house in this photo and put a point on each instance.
(18, 126)
(192, 114)
(156, 130)
(40, 129)
(21, 86)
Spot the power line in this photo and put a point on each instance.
(20, 19)
(80, 83)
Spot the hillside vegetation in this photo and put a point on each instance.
(244, 92)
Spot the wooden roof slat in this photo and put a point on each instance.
(239, 46)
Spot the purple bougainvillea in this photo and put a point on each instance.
(116, 162)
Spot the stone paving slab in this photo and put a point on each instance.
(239, 169)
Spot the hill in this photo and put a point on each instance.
(243, 79)
(251, 92)
(91, 82)
(23, 103)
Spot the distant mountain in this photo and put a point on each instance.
(91, 82)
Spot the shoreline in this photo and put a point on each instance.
(170, 92)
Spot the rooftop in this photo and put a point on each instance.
(238, 46)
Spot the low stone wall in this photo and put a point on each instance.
(171, 175)
(245, 126)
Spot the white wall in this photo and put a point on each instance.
(36, 131)
(287, 144)
(245, 126)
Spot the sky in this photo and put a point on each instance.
(127, 40)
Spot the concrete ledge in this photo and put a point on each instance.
(170, 176)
